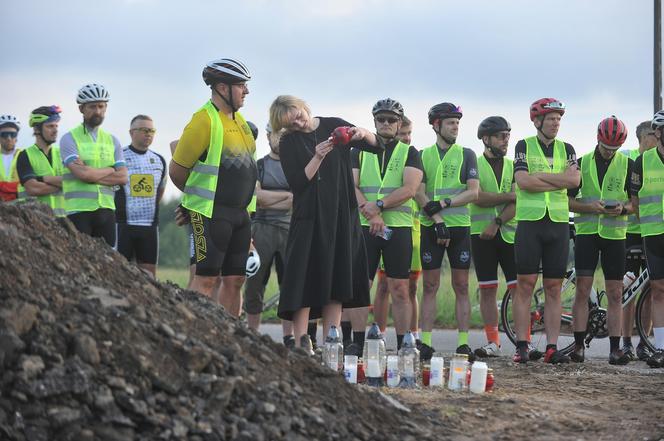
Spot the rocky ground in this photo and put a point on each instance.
(93, 349)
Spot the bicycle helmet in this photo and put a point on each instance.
(491, 125)
(254, 129)
(388, 105)
(44, 114)
(657, 120)
(225, 70)
(92, 93)
(9, 120)
(546, 105)
(444, 110)
(611, 132)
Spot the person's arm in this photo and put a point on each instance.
(119, 176)
(533, 183)
(270, 198)
(487, 199)
(178, 174)
(91, 175)
(576, 206)
(412, 177)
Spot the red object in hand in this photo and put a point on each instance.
(341, 135)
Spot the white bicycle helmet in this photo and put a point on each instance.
(658, 120)
(6, 120)
(92, 93)
(253, 263)
(225, 70)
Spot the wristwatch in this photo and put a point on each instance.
(498, 221)
(380, 204)
(448, 202)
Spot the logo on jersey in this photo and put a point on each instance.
(199, 237)
(464, 256)
(141, 185)
(426, 257)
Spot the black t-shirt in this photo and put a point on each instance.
(24, 168)
(497, 167)
(521, 161)
(468, 169)
(413, 159)
(602, 167)
(637, 172)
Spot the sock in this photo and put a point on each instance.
(358, 337)
(522, 344)
(312, 330)
(555, 347)
(288, 337)
(579, 336)
(426, 338)
(399, 341)
(659, 338)
(462, 338)
(346, 329)
(614, 343)
(528, 337)
(627, 341)
(492, 334)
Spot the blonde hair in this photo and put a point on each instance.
(282, 106)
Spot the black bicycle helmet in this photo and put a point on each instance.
(491, 125)
(388, 105)
(254, 129)
(444, 110)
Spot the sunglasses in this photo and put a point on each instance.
(8, 134)
(386, 119)
(146, 130)
(502, 136)
(554, 105)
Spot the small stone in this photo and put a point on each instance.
(21, 318)
(10, 347)
(163, 327)
(31, 365)
(86, 348)
(269, 408)
(61, 416)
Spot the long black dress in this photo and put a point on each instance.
(326, 258)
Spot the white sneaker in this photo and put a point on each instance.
(490, 349)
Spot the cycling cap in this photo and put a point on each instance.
(444, 110)
(92, 93)
(611, 132)
(225, 70)
(388, 105)
(546, 105)
(491, 125)
(9, 120)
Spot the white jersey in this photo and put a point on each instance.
(136, 201)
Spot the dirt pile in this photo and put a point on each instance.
(92, 349)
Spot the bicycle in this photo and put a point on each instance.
(597, 324)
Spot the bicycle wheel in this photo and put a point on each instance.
(643, 318)
(537, 330)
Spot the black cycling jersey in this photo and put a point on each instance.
(602, 166)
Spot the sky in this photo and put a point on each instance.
(489, 57)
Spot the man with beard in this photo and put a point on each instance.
(450, 183)
(9, 128)
(39, 167)
(96, 164)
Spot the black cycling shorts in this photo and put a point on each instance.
(139, 243)
(397, 252)
(588, 249)
(542, 241)
(98, 223)
(487, 254)
(458, 250)
(634, 265)
(654, 248)
(221, 244)
(192, 248)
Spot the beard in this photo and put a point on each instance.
(95, 121)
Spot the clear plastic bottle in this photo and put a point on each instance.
(436, 372)
(458, 372)
(393, 371)
(333, 350)
(409, 361)
(374, 356)
(628, 278)
(478, 377)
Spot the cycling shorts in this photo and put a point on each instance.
(590, 247)
(458, 250)
(98, 223)
(542, 241)
(654, 248)
(221, 243)
(634, 265)
(270, 242)
(140, 243)
(396, 252)
(192, 247)
(487, 255)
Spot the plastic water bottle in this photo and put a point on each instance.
(628, 278)
(350, 368)
(437, 368)
(374, 356)
(393, 371)
(409, 361)
(333, 350)
(478, 375)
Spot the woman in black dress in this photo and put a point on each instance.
(326, 263)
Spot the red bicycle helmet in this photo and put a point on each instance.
(611, 132)
(546, 105)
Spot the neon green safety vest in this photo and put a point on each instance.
(13, 176)
(82, 196)
(481, 217)
(41, 167)
(201, 184)
(375, 187)
(444, 181)
(632, 219)
(612, 191)
(651, 195)
(532, 206)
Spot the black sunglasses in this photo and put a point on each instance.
(8, 134)
(385, 119)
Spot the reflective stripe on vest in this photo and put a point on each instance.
(536, 205)
(82, 196)
(444, 181)
(41, 167)
(375, 187)
(481, 217)
(612, 192)
(651, 195)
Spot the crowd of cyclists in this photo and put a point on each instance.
(414, 206)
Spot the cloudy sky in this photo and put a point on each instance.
(490, 57)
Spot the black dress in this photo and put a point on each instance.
(326, 258)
